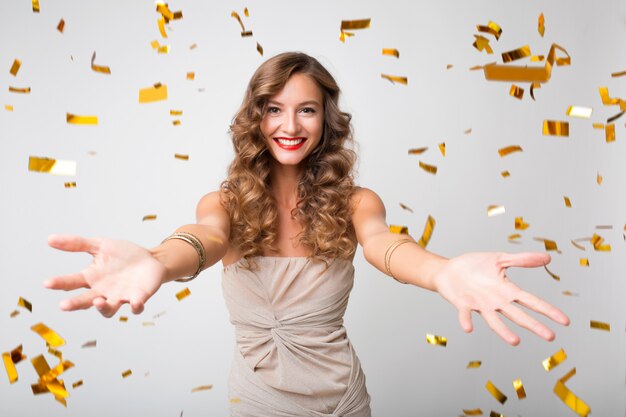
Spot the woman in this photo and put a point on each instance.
(285, 224)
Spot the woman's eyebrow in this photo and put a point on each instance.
(304, 103)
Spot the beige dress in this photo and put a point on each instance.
(292, 355)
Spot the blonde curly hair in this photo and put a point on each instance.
(325, 187)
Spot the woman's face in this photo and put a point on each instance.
(294, 120)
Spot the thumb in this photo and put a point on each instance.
(525, 259)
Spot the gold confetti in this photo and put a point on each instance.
(14, 313)
(516, 54)
(519, 389)
(597, 242)
(183, 294)
(532, 89)
(555, 128)
(599, 325)
(235, 15)
(99, 68)
(181, 156)
(474, 365)
(395, 79)
(202, 388)
(550, 245)
(497, 394)
(355, 24)
(234, 400)
(246, 13)
(21, 302)
(442, 148)
(473, 412)
(127, 373)
(25, 90)
(554, 360)
(501, 72)
(9, 365)
(610, 101)
(193, 46)
(604, 227)
(537, 58)
(157, 92)
(123, 319)
(571, 294)
(407, 208)
(403, 230)
(259, 49)
(494, 414)
(8, 107)
(584, 262)
(449, 66)
(618, 74)
(541, 25)
(514, 236)
(428, 232)
(176, 122)
(77, 384)
(568, 397)
(191, 76)
(15, 67)
(509, 150)
(176, 112)
(609, 133)
(48, 335)
(417, 151)
(156, 316)
(495, 210)
(147, 323)
(481, 43)
(505, 174)
(149, 217)
(161, 49)
(71, 184)
(552, 274)
(61, 25)
(615, 117)
(599, 178)
(477, 67)
(161, 24)
(437, 340)
(520, 224)
(166, 13)
(246, 33)
(568, 203)
(468, 131)
(81, 120)
(598, 125)
(579, 111)
(392, 52)
(35, 4)
(517, 92)
(89, 344)
(491, 28)
(431, 169)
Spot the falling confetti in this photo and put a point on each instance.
(599, 325)
(184, 293)
(568, 397)
(395, 79)
(437, 340)
(403, 230)
(391, 52)
(555, 128)
(497, 394)
(81, 120)
(554, 360)
(519, 389)
(21, 302)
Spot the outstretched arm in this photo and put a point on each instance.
(470, 282)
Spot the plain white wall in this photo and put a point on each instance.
(126, 169)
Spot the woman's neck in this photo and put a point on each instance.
(285, 179)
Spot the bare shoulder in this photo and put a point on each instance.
(210, 211)
(368, 214)
(364, 199)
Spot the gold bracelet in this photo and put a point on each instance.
(388, 254)
(197, 245)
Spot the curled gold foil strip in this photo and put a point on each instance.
(541, 25)
(505, 174)
(608, 100)
(537, 58)
(22, 302)
(235, 15)
(9, 365)
(149, 217)
(597, 242)
(473, 412)
(161, 24)
(519, 389)
(25, 90)
(519, 73)
(615, 117)
(99, 68)
(520, 224)
(395, 79)
(609, 133)
(481, 43)
(579, 111)
(181, 157)
(392, 52)
(89, 344)
(568, 203)
(49, 335)
(436, 340)
(442, 148)
(51, 166)
(509, 150)
(476, 67)
(41, 365)
(516, 54)
(552, 274)
(15, 67)
(183, 294)
(81, 120)
(600, 325)
(355, 24)
(402, 230)
(569, 398)
(77, 384)
(584, 262)
(259, 49)
(532, 89)
(554, 360)
(35, 4)
(473, 365)
(428, 232)
(492, 28)
(618, 74)
(151, 94)
(418, 151)
(202, 388)
(431, 169)
(495, 210)
(127, 373)
(581, 247)
(61, 25)
(516, 91)
(497, 394)
(407, 208)
(555, 128)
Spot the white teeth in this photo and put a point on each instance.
(290, 142)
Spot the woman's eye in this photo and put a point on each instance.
(308, 110)
(273, 110)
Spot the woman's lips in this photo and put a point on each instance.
(290, 144)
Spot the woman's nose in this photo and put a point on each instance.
(290, 125)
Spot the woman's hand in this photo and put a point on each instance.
(121, 272)
(478, 282)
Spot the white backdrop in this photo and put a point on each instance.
(126, 169)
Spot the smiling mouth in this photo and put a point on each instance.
(290, 143)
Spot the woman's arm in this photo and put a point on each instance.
(470, 282)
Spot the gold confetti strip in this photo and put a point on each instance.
(355, 24)
(569, 398)
(520, 224)
(615, 117)
(48, 335)
(191, 76)
(584, 262)
(608, 100)
(161, 24)
(519, 389)
(8, 107)
(517, 92)
(431, 169)
(516, 54)
(473, 365)
(509, 150)
(599, 178)
(599, 325)
(193, 46)
(495, 210)
(149, 217)
(477, 67)
(497, 394)
(437, 340)
(501, 72)
(618, 74)
(15, 67)
(235, 15)
(259, 49)
(481, 43)
(473, 412)
(181, 156)
(25, 90)
(234, 400)
(609, 133)
(581, 247)
(147, 323)
(491, 28)
(157, 92)
(494, 414)
(541, 25)
(442, 148)
(597, 242)
(21, 302)
(513, 237)
(202, 388)
(35, 4)
(81, 120)
(532, 89)
(123, 319)
(598, 125)
(395, 79)
(183, 294)
(71, 184)
(428, 232)
(161, 49)
(403, 230)
(555, 128)
(9, 365)
(604, 226)
(568, 203)
(99, 68)
(127, 373)
(166, 13)
(77, 384)
(246, 33)
(468, 131)
(537, 58)
(554, 360)
(61, 25)
(17, 356)
(505, 174)
(407, 208)
(392, 52)
(571, 294)
(449, 66)
(550, 245)
(89, 344)
(552, 274)
(579, 111)
(417, 151)
(176, 112)
(14, 313)
(246, 13)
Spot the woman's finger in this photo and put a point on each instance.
(80, 302)
(535, 303)
(108, 307)
(524, 320)
(72, 243)
(501, 329)
(524, 259)
(66, 282)
(465, 319)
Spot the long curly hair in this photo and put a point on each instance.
(325, 187)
